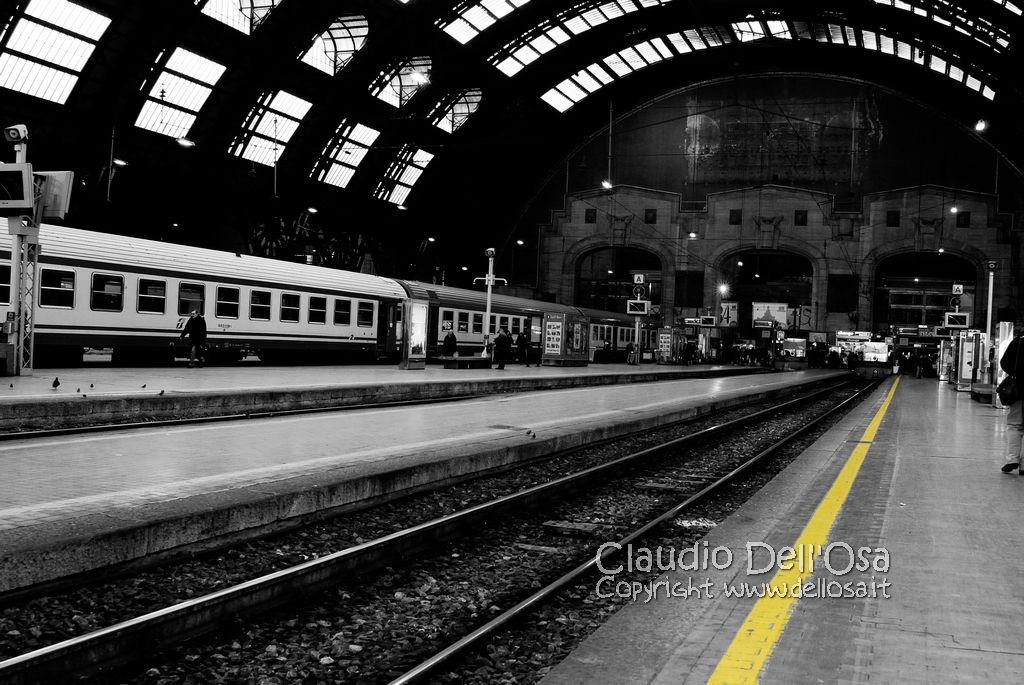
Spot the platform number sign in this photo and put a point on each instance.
(958, 288)
(638, 279)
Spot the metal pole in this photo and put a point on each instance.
(988, 326)
(487, 315)
(110, 163)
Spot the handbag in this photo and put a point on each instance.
(1007, 391)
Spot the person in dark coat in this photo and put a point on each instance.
(1012, 362)
(195, 329)
(523, 348)
(450, 345)
(502, 348)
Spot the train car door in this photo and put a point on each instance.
(389, 332)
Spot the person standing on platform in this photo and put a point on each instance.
(523, 348)
(1012, 362)
(502, 348)
(450, 345)
(195, 329)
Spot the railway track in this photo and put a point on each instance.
(112, 647)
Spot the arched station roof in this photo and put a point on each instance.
(400, 119)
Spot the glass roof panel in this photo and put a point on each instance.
(178, 93)
(450, 114)
(576, 20)
(269, 127)
(74, 19)
(402, 175)
(575, 88)
(399, 82)
(241, 15)
(51, 40)
(333, 48)
(35, 79)
(471, 18)
(343, 154)
(748, 30)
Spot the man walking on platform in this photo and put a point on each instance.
(195, 329)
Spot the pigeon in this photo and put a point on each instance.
(12, 385)
(143, 385)
(78, 390)
(161, 392)
(56, 383)
(90, 385)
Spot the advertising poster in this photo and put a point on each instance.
(552, 336)
(728, 314)
(768, 312)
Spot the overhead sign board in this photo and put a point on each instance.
(638, 279)
(637, 307)
(958, 288)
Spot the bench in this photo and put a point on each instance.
(473, 362)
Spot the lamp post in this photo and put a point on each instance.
(489, 280)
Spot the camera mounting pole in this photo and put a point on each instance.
(24, 261)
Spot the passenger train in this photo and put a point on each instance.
(100, 290)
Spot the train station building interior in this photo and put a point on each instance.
(857, 166)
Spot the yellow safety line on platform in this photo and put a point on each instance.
(760, 632)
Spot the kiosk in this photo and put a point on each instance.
(565, 340)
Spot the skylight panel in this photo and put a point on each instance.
(937, 64)
(617, 65)
(403, 174)
(611, 10)
(178, 93)
(778, 29)
(694, 39)
(241, 15)
(269, 127)
(870, 39)
(542, 44)
(679, 43)
(475, 17)
(662, 48)
(449, 115)
(44, 52)
(333, 48)
(748, 30)
(397, 84)
(344, 153)
(589, 83)
(648, 52)
(988, 93)
(956, 73)
(557, 100)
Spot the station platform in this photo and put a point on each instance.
(97, 394)
(911, 483)
(73, 504)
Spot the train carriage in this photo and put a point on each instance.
(462, 311)
(134, 295)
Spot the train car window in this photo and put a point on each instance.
(492, 323)
(463, 322)
(56, 288)
(227, 303)
(5, 284)
(107, 293)
(290, 304)
(478, 323)
(259, 305)
(318, 310)
(504, 322)
(152, 296)
(447, 320)
(191, 296)
(517, 324)
(343, 312)
(364, 315)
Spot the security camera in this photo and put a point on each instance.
(489, 252)
(16, 133)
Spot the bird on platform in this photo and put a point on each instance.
(161, 392)
(90, 385)
(56, 383)
(12, 385)
(143, 385)
(78, 390)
